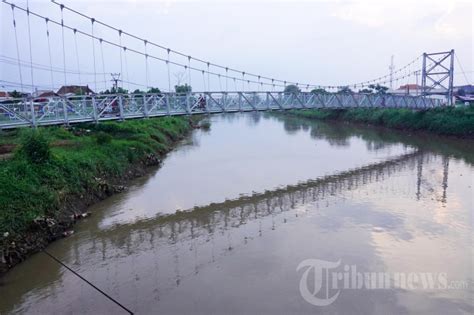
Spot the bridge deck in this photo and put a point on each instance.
(94, 108)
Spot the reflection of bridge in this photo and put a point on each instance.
(183, 242)
(233, 213)
(65, 110)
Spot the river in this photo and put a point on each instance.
(272, 215)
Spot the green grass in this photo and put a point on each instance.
(457, 121)
(53, 164)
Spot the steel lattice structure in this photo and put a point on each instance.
(94, 108)
(437, 78)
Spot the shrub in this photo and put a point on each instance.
(103, 138)
(35, 147)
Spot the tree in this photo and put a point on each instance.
(119, 90)
(378, 89)
(154, 90)
(319, 91)
(15, 94)
(344, 90)
(137, 91)
(182, 89)
(291, 89)
(366, 91)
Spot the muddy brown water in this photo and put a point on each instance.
(273, 215)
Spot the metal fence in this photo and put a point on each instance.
(60, 110)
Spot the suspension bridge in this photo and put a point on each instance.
(223, 88)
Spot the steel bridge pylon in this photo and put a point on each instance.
(437, 78)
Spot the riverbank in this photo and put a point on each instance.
(448, 121)
(53, 174)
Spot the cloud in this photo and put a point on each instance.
(435, 17)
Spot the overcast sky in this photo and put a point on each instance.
(317, 42)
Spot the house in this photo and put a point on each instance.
(4, 96)
(69, 90)
(407, 89)
(47, 94)
(464, 90)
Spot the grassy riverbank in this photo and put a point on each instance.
(452, 121)
(53, 173)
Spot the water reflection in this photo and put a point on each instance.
(403, 213)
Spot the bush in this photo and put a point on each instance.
(35, 147)
(103, 138)
(444, 120)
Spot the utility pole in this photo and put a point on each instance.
(391, 68)
(115, 79)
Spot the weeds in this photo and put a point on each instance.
(40, 177)
(458, 121)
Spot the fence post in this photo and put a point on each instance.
(121, 106)
(145, 109)
(240, 101)
(188, 99)
(168, 104)
(66, 118)
(33, 116)
(94, 110)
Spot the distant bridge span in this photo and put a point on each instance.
(61, 110)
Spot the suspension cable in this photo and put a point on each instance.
(126, 67)
(77, 58)
(135, 51)
(462, 70)
(93, 54)
(364, 83)
(120, 49)
(17, 47)
(64, 46)
(203, 80)
(29, 40)
(189, 67)
(146, 63)
(226, 79)
(169, 74)
(103, 63)
(49, 53)
(39, 66)
(208, 77)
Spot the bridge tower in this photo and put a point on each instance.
(437, 74)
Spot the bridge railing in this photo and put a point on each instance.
(93, 108)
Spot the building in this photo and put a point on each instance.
(464, 93)
(4, 96)
(408, 89)
(47, 94)
(464, 90)
(70, 90)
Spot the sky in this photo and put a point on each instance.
(312, 42)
